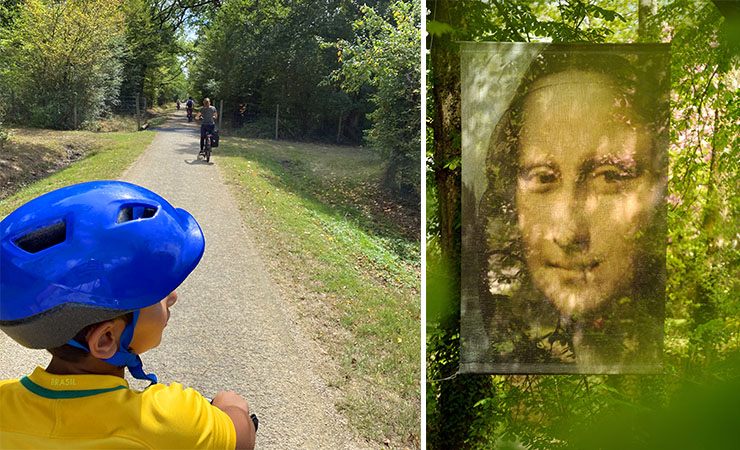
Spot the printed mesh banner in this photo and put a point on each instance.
(564, 164)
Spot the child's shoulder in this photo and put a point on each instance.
(173, 399)
(9, 384)
(174, 390)
(189, 417)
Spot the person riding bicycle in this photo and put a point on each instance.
(209, 115)
(178, 104)
(189, 107)
(89, 272)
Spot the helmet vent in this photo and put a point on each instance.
(128, 213)
(43, 238)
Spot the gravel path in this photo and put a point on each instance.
(230, 329)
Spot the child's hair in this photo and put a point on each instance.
(76, 355)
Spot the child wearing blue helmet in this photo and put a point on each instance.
(89, 272)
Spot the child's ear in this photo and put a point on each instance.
(103, 339)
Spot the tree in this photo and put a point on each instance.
(646, 9)
(154, 45)
(450, 404)
(63, 58)
(385, 55)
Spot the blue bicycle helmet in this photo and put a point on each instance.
(88, 253)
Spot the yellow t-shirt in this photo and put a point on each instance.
(100, 411)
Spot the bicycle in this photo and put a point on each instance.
(207, 147)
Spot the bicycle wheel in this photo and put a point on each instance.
(208, 148)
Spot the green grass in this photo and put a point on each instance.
(113, 153)
(355, 274)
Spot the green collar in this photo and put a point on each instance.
(49, 393)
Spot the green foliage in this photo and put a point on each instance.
(385, 55)
(9, 11)
(697, 416)
(703, 258)
(90, 55)
(4, 135)
(268, 53)
(531, 21)
(703, 215)
(61, 56)
(572, 21)
(4, 132)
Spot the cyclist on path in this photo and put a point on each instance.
(209, 115)
(189, 106)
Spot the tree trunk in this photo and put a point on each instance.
(138, 116)
(339, 127)
(458, 396)
(645, 9)
(277, 121)
(445, 61)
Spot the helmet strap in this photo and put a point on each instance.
(123, 357)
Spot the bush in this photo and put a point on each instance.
(4, 132)
(4, 135)
(262, 128)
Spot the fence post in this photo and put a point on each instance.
(339, 128)
(138, 116)
(74, 109)
(220, 112)
(143, 113)
(277, 118)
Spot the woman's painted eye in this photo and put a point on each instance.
(545, 178)
(611, 179)
(538, 179)
(610, 175)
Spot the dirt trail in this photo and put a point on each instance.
(230, 329)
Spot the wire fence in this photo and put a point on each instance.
(281, 122)
(133, 105)
(128, 104)
(249, 119)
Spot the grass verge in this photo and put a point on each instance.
(106, 157)
(153, 117)
(350, 260)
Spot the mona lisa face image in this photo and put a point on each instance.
(564, 167)
(585, 189)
